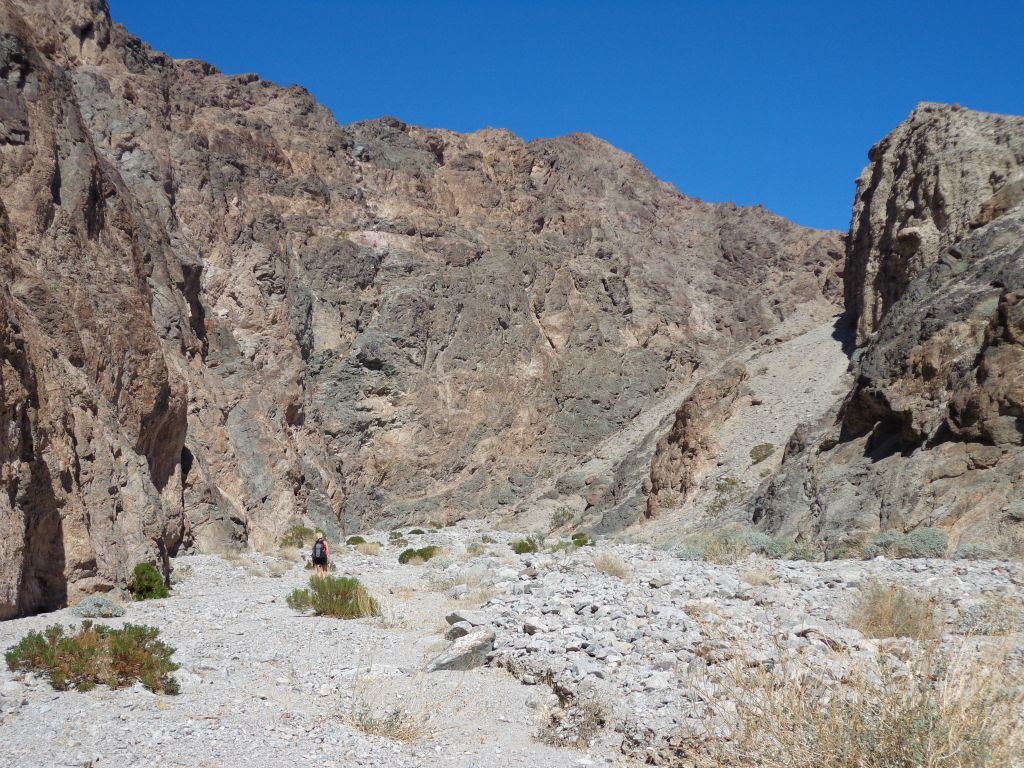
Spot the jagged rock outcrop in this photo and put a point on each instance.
(692, 441)
(222, 313)
(933, 431)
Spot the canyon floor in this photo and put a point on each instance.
(641, 634)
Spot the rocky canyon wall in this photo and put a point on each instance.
(223, 313)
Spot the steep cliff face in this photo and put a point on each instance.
(222, 313)
(933, 431)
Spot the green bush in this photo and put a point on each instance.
(732, 545)
(488, 539)
(147, 583)
(423, 553)
(298, 536)
(527, 545)
(581, 539)
(342, 597)
(417, 532)
(97, 655)
(353, 540)
(761, 452)
(920, 542)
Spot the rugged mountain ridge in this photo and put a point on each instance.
(932, 432)
(223, 313)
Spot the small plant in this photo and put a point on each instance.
(368, 548)
(528, 545)
(956, 709)
(889, 610)
(298, 536)
(994, 616)
(613, 565)
(353, 540)
(147, 583)
(920, 542)
(727, 484)
(488, 539)
(417, 532)
(342, 597)
(97, 655)
(399, 542)
(98, 607)
(475, 549)
(560, 517)
(976, 552)
(422, 555)
(761, 452)
(581, 539)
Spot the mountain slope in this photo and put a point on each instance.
(223, 313)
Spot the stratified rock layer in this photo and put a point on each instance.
(933, 431)
(222, 313)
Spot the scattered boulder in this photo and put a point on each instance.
(467, 652)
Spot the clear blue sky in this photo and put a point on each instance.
(756, 102)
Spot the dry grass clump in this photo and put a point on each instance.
(341, 597)
(278, 568)
(759, 575)
(613, 565)
(953, 709)
(889, 610)
(368, 548)
(575, 720)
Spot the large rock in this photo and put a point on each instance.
(222, 313)
(466, 652)
(933, 431)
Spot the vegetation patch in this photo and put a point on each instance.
(613, 565)
(920, 542)
(368, 548)
(528, 545)
(353, 540)
(342, 597)
(889, 610)
(761, 452)
(417, 532)
(958, 709)
(731, 545)
(408, 556)
(147, 583)
(298, 536)
(97, 655)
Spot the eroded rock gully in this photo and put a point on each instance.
(222, 313)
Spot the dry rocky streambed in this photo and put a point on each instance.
(616, 654)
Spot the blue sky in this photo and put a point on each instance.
(763, 102)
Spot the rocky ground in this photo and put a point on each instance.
(636, 642)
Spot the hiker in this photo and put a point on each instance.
(320, 555)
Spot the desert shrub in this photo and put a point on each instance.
(96, 655)
(422, 554)
(727, 484)
(976, 552)
(475, 549)
(581, 539)
(889, 610)
(147, 583)
(946, 710)
(527, 545)
(575, 719)
(488, 539)
(417, 532)
(353, 540)
(761, 452)
(368, 548)
(298, 536)
(98, 607)
(399, 542)
(920, 542)
(689, 552)
(342, 597)
(613, 565)
(994, 616)
(843, 552)
(560, 517)
(801, 551)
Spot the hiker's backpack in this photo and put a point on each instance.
(318, 550)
